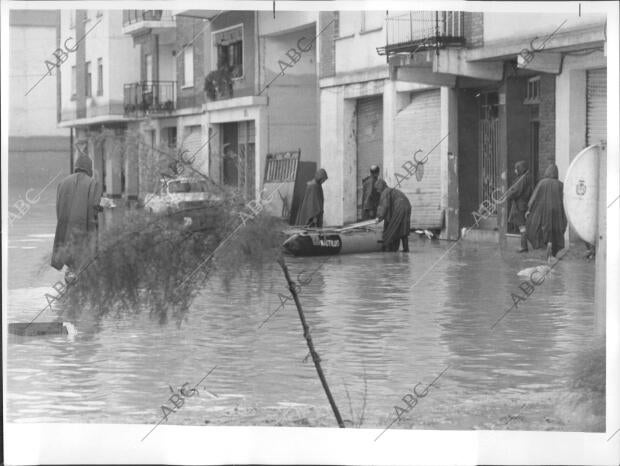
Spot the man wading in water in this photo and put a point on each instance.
(77, 205)
(395, 211)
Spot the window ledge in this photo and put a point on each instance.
(368, 31)
(187, 86)
(349, 36)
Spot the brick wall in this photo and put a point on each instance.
(327, 43)
(547, 123)
(473, 25)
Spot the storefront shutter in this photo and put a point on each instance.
(596, 100)
(418, 127)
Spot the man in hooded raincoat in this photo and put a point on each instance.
(395, 211)
(546, 221)
(77, 206)
(370, 196)
(311, 211)
(519, 195)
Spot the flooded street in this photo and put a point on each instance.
(376, 334)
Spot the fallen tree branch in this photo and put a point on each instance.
(308, 337)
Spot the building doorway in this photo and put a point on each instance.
(488, 150)
(238, 157)
(369, 112)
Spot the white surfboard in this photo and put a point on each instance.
(581, 193)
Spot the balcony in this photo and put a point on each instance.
(138, 22)
(418, 31)
(149, 98)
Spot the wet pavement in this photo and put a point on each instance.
(376, 334)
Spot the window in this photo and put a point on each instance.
(171, 136)
(188, 67)
(231, 56)
(372, 21)
(89, 80)
(99, 76)
(73, 82)
(229, 50)
(532, 93)
(148, 64)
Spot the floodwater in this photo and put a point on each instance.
(377, 335)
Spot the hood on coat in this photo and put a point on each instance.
(84, 164)
(320, 176)
(521, 167)
(551, 171)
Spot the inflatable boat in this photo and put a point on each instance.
(356, 238)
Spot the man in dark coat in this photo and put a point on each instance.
(545, 219)
(77, 205)
(311, 211)
(370, 196)
(518, 195)
(395, 211)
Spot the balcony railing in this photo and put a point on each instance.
(136, 16)
(149, 97)
(139, 21)
(423, 30)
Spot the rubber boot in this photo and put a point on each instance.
(405, 243)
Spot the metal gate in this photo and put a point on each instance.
(488, 146)
(596, 116)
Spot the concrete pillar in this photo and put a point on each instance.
(601, 247)
(349, 162)
(112, 157)
(261, 147)
(449, 163)
(131, 170)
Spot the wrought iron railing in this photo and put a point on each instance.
(147, 97)
(423, 30)
(136, 16)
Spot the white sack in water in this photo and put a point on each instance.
(539, 269)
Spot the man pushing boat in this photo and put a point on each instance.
(395, 211)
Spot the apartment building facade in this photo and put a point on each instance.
(36, 144)
(100, 58)
(453, 85)
(211, 86)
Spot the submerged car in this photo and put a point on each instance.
(191, 200)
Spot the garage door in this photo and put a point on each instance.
(369, 140)
(418, 127)
(192, 143)
(596, 116)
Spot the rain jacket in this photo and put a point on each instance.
(370, 198)
(77, 202)
(395, 211)
(519, 195)
(311, 211)
(547, 220)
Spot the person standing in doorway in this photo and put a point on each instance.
(370, 196)
(311, 212)
(518, 195)
(395, 211)
(77, 206)
(545, 219)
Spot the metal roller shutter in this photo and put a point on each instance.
(596, 101)
(369, 140)
(192, 142)
(417, 126)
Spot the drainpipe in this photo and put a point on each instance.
(71, 150)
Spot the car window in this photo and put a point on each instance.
(188, 187)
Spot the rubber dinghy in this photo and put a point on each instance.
(356, 238)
